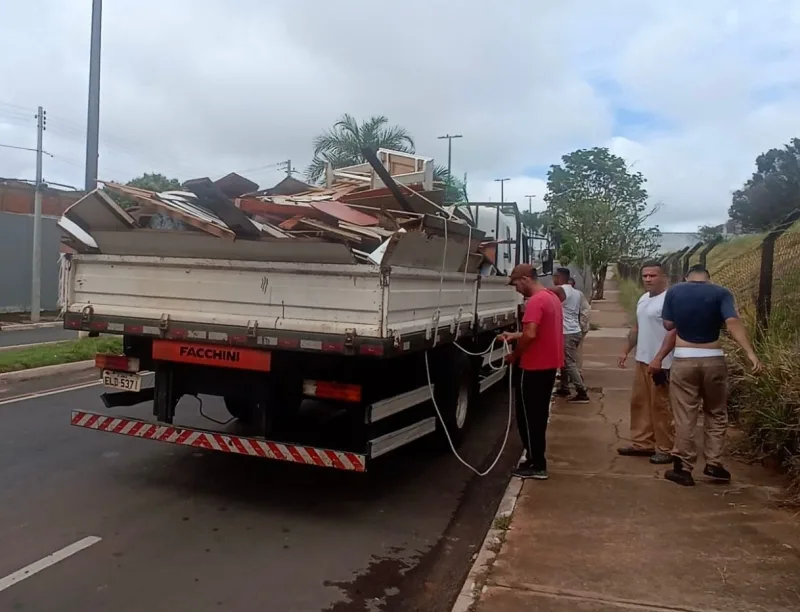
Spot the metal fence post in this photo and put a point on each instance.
(708, 248)
(688, 256)
(764, 298)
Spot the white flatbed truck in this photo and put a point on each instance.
(265, 336)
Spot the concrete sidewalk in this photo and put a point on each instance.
(608, 533)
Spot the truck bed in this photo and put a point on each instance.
(209, 299)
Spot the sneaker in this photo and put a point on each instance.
(717, 472)
(634, 451)
(659, 458)
(528, 471)
(579, 398)
(678, 475)
(561, 393)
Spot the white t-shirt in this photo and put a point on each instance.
(572, 309)
(651, 329)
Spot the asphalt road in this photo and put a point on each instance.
(35, 336)
(186, 530)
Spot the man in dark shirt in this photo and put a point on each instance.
(697, 310)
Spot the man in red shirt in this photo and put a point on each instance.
(539, 354)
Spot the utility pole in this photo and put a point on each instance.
(449, 138)
(530, 200)
(36, 272)
(287, 166)
(93, 118)
(502, 182)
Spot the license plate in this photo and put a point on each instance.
(122, 381)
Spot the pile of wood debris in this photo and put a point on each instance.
(384, 212)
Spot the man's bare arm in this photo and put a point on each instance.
(528, 335)
(560, 293)
(630, 343)
(739, 334)
(666, 348)
(669, 325)
(668, 345)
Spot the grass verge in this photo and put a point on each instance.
(629, 294)
(767, 406)
(69, 351)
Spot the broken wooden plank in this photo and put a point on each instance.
(342, 212)
(334, 232)
(171, 243)
(97, 211)
(184, 211)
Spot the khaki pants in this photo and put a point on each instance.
(696, 382)
(652, 425)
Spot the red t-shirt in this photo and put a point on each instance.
(546, 352)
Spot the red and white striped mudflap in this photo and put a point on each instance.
(210, 440)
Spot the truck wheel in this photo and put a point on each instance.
(454, 390)
(239, 408)
(254, 414)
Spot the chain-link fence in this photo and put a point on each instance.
(762, 271)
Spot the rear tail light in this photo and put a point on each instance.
(332, 391)
(117, 363)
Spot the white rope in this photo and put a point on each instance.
(506, 351)
(488, 470)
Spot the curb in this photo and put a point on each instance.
(53, 370)
(17, 347)
(476, 579)
(24, 326)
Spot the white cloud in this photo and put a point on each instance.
(205, 87)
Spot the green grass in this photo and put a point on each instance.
(767, 406)
(70, 351)
(629, 294)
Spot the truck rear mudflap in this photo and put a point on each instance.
(223, 442)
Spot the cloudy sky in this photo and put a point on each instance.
(688, 92)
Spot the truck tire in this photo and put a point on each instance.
(240, 408)
(454, 391)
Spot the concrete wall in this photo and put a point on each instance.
(16, 253)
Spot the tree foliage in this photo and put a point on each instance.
(455, 188)
(155, 182)
(709, 233)
(601, 208)
(341, 145)
(772, 193)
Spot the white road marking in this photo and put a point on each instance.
(44, 563)
(38, 394)
(29, 396)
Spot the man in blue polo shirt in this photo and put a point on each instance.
(697, 310)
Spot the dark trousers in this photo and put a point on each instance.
(534, 390)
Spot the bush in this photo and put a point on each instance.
(629, 294)
(767, 406)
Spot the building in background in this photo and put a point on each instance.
(16, 244)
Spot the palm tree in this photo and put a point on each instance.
(341, 145)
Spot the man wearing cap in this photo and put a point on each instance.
(539, 352)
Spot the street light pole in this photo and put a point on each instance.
(449, 138)
(530, 200)
(93, 114)
(502, 182)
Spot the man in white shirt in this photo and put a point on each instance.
(652, 423)
(571, 301)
